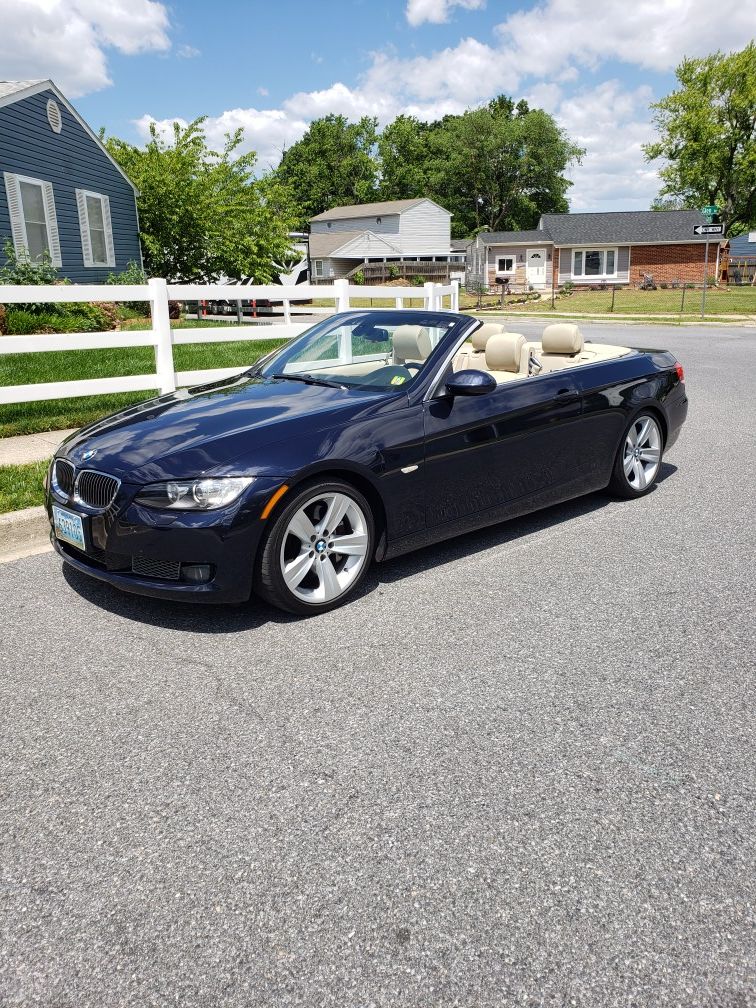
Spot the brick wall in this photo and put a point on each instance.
(667, 263)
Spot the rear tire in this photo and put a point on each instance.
(305, 566)
(639, 457)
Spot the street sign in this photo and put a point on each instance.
(708, 229)
(709, 211)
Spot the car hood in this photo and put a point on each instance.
(194, 431)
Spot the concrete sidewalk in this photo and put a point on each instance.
(31, 447)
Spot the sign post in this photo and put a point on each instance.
(706, 229)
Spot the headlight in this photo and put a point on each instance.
(194, 495)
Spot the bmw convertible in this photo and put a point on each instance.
(372, 434)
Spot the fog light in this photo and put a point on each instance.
(196, 573)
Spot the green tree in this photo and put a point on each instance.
(707, 133)
(331, 165)
(501, 166)
(406, 156)
(202, 212)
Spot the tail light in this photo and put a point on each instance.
(680, 372)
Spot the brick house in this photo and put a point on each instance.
(592, 249)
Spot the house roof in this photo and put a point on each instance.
(372, 209)
(624, 227)
(515, 237)
(743, 247)
(13, 91)
(460, 244)
(330, 243)
(9, 87)
(322, 245)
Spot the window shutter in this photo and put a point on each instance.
(86, 244)
(53, 237)
(18, 231)
(108, 230)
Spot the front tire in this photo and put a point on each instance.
(318, 549)
(639, 457)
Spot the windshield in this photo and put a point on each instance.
(374, 350)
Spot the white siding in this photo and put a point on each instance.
(425, 229)
(389, 225)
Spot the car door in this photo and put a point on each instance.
(483, 452)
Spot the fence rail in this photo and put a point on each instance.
(163, 338)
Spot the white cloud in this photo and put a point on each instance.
(187, 52)
(67, 40)
(437, 11)
(612, 125)
(646, 33)
(263, 91)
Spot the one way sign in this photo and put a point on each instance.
(707, 229)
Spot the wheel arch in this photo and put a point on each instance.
(347, 474)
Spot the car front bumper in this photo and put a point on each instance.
(128, 539)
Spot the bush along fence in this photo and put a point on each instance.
(158, 293)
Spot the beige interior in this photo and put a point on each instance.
(507, 356)
(410, 343)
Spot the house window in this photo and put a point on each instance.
(318, 267)
(594, 263)
(96, 229)
(34, 223)
(505, 264)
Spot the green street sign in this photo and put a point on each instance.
(710, 210)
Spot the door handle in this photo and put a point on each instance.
(565, 395)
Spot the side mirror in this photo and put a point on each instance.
(470, 382)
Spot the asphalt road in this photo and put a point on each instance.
(516, 772)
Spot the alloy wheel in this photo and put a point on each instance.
(642, 453)
(324, 547)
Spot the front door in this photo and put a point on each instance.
(485, 452)
(536, 267)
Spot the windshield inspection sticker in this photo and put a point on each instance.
(398, 380)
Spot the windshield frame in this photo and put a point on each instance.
(455, 325)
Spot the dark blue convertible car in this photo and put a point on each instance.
(372, 434)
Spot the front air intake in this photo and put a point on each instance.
(96, 489)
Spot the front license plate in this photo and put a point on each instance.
(69, 527)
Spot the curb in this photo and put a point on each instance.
(24, 533)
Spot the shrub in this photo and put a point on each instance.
(568, 287)
(417, 281)
(358, 278)
(20, 271)
(72, 319)
(3, 330)
(393, 272)
(663, 285)
(133, 274)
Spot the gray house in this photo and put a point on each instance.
(61, 193)
(402, 233)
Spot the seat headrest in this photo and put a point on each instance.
(481, 336)
(562, 338)
(503, 351)
(410, 343)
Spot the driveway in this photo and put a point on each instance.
(517, 771)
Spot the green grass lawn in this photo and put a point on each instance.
(634, 302)
(72, 365)
(21, 486)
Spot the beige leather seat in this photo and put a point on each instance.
(472, 353)
(503, 355)
(410, 343)
(561, 345)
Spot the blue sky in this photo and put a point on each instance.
(273, 67)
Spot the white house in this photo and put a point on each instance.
(376, 236)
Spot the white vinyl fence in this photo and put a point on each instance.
(163, 338)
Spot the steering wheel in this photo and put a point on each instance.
(412, 364)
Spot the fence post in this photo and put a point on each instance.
(161, 331)
(429, 296)
(287, 310)
(614, 288)
(341, 294)
(455, 295)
